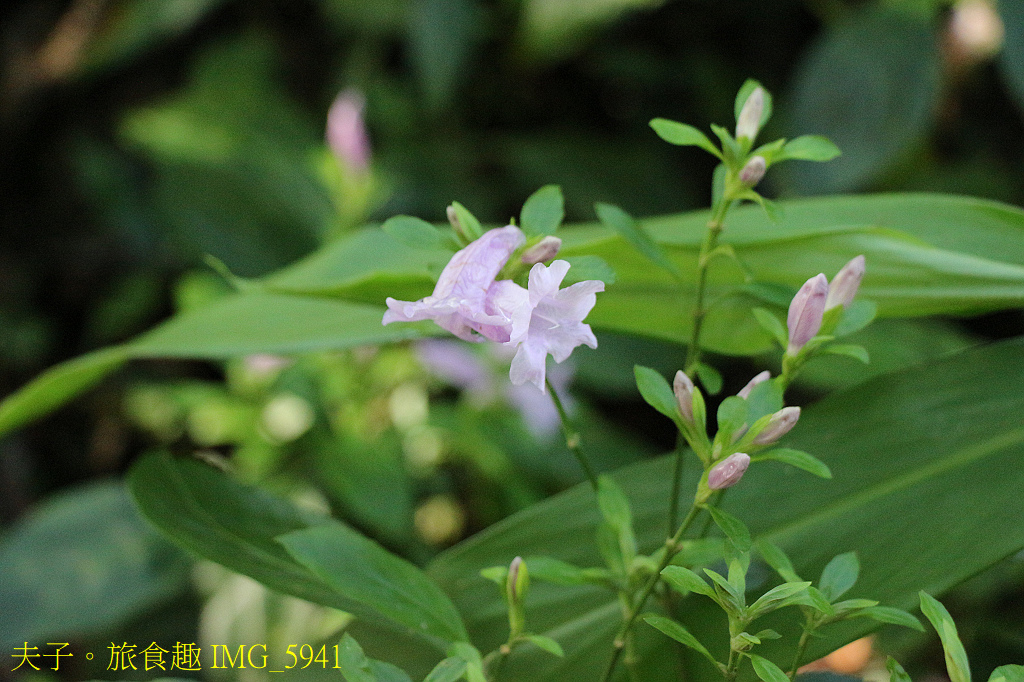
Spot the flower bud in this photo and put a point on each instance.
(683, 388)
(778, 426)
(729, 471)
(542, 251)
(759, 379)
(749, 121)
(346, 131)
(518, 580)
(753, 171)
(805, 312)
(845, 284)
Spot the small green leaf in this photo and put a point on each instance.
(470, 225)
(496, 574)
(582, 268)
(557, 572)
(766, 670)
(847, 607)
(656, 391)
(768, 634)
(613, 503)
(850, 350)
(896, 671)
(680, 634)
(448, 670)
(417, 233)
(956, 658)
(797, 458)
(808, 148)
(1007, 673)
(772, 325)
(684, 135)
(732, 414)
(710, 377)
(893, 616)
(733, 600)
(730, 148)
(733, 528)
(547, 644)
(683, 580)
(839, 575)
(474, 663)
(856, 316)
(543, 212)
(624, 225)
(354, 665)
(765, 399)
(776, 598)
(777, 559)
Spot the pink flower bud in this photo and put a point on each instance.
(542, 251)
(683, 388)
(749, 121)
(778, 426)
(753, 171)
(346, 132)
(729, 471)
(759, 379)
(845, 284)
(805, 312)
(518, 580)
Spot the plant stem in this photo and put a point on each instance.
(572, 436)
(715, 226)
(677, 481)
(800, 648)
(671, 549)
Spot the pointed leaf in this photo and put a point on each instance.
(733, 528)
(839, 576)
(776, 598)
(888, 614)
(772, 325)
(896, 671)
(683, 580)
(710, 377)
(448, 670)
(543, 211)
(680, 634)
(656, 391)
(416, 233)
(808, 148)
(620, 221)
(547, 644)
(849, 350)
(677, 133)
(766, 670)
(956, 658)
(1007, 673)
(797, 458)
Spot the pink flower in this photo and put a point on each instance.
(729, 471)
(346, 132)
(551, 322)
(805, 312)
(467, 301)
(845, 284)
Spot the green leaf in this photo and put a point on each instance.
(797, 458)
(870, 84)
(732, 414)
(776, 598)
(416, 233)
(582, 268)
(361, 570)
(808, 148)
(620, 221)
(684, 581)
(1007, 673)
(858, 314)
(550, 570)
(839, 576)
(849, 350)
(469, 223)
(57, 385)
(354, 665)
(448, 670)
(772, 325)
(896, 671)
(733, 528)
(765, 399)
(777, 559)
(681, 134)
(543, 211)
(766, 670)
(547, 644)
(680, 634)
(710, 377)
(112, 567)
(614, 506)
(656, 391)
(893, 616)
(956, 658)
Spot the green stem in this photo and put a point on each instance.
(572, 437)
(715, 226)
(671, 550)
(800, 648)
(677, 482)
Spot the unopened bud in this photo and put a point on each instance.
(749, 121)
(804, 319)
(759, 379)
(346, 131)
(778, 426)
(753, 171)
(845, 284)
(542, 251)
(682, 386)
(518, 580)
(729, 471)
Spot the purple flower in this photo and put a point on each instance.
(729, 471)
(781, 423)
(758, 379)
(805, 312)
(346, 132)
(467, 301)
(683, 387)
(845, 284)
(551, 322)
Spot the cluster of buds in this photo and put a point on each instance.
(815, 297)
